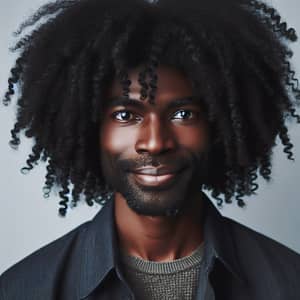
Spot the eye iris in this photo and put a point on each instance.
(184, 114)
(124, 115)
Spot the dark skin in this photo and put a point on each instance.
(142, 135)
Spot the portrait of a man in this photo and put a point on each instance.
(142, 106)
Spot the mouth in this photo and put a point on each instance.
(156, 177)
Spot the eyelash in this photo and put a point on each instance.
(130, 112)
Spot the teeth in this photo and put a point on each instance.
(153, 179)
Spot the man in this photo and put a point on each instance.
(141, 106)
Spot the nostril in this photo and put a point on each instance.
(154, 149)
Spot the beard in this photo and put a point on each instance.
(170, 200)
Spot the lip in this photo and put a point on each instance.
(156, 177)
(162, 170)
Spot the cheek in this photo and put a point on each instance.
(193, 137)
(117, 140)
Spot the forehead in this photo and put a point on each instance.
(171, 84)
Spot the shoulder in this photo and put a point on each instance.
(258, 252)
(31, 274)
(250, 236)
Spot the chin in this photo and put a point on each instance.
(170, 202)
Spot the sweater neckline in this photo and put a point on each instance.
(154, 267)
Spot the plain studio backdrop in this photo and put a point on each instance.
(28, 221)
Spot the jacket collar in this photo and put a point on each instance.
(99, 254)
(219, 242)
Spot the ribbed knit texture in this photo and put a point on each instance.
(150, 280)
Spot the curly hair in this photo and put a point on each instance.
(236, 54)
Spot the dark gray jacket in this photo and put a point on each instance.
(238, 264)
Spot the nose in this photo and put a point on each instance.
(155, 138)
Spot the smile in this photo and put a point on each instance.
(154, 180)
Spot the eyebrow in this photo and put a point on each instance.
(122, 101)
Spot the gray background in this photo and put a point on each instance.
(28, 221)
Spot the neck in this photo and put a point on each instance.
(158, 238)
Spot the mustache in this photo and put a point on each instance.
(179, 162)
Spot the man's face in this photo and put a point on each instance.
(153, 155)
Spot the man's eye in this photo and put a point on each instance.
(124, 116)
(183, 114)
